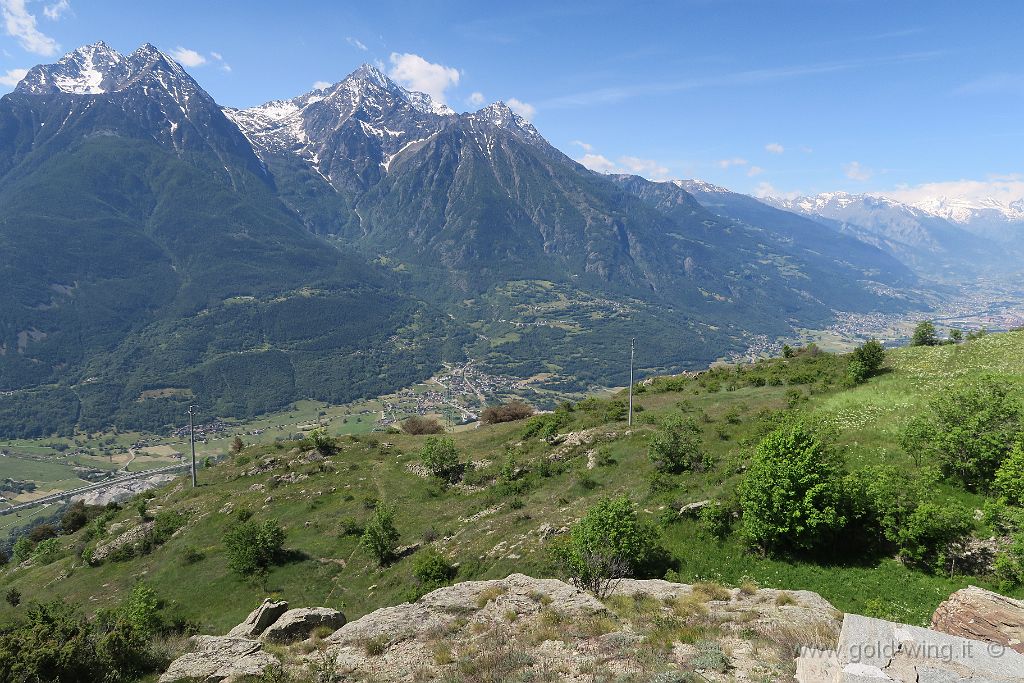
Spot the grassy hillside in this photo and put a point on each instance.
(493, 524)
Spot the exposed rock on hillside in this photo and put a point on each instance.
(490, 630)
(982, 615)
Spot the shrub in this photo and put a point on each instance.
(791, 495)
(969, 432)
(432, 570)
(508, 412)
(610, 542)
(41, 532)
(13, 597)
(417, 425)
(441, 458)
(1009, 481)
(677, 447)
(22, 549)
(253, 548)
(930, 530)
(74, 518)
(380, 535)
(715, 520)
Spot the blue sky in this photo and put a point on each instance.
(757, 96)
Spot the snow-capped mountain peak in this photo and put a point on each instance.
(968, 209)
(501, 115)
(697, 186)
(98, 69)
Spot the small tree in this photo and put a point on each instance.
(1010, 477)
(253, 548)
(677, 447)
(13, 597)
(142, 610)
(380, 537)
(871, 354)
(322, 442)
(791, 496)
(508, 412)
(74, 518)
(441, 458)
(609, 543)
(925, 334)
(930, 530)
(237, 445)
(968, 431)
(956, 336)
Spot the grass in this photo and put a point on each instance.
(327, 567)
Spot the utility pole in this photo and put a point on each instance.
(192, 440)
(632, 350)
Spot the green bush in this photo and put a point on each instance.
(380, 537)
(871, 355)
(1009, 480)
(925, 334)
(968, 431)
(677, 447)
(931, 528)
(791, 496)
(441, 458)
(432, 570)
(253, 548)
(610, 541)
(13, 597)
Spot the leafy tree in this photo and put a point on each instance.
(253, 548)
(871, 354)
(791, 496)
(787, 351)
(22, 549)
(441, 458)
(925, 334)
(380, 537)
(956, 336)
(432, 570)
(610, 542)
(42, 532)
(74, 518)
(856, 372)
(677, 447)
(968, 431)
(237, 445)
(930, 529)
(1009, 481)
(142, 610)
(13, 597)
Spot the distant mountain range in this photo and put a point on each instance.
(165, 250)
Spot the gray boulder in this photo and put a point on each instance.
(259, 619)
(219, 658)
(298, 624)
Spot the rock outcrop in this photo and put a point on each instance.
(132, 537)
(259, 619)
(299, 624)
(873, 651)
(982, 615)
(220, 658)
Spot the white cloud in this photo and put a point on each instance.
(1002, 188)
(320, 85)
(21, 24)
(476, 99)
(12, 77)
(418, 74)
(648, 168)
(598, 162)
(524, 109)
(855, 171)
(754, 171)
(224, 66)
(187, 57)
(735, 161)
(57, 10)
(774, 148)
(766, 189)
(356, 43)
(587, 147)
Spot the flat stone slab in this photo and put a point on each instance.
(873, 651)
